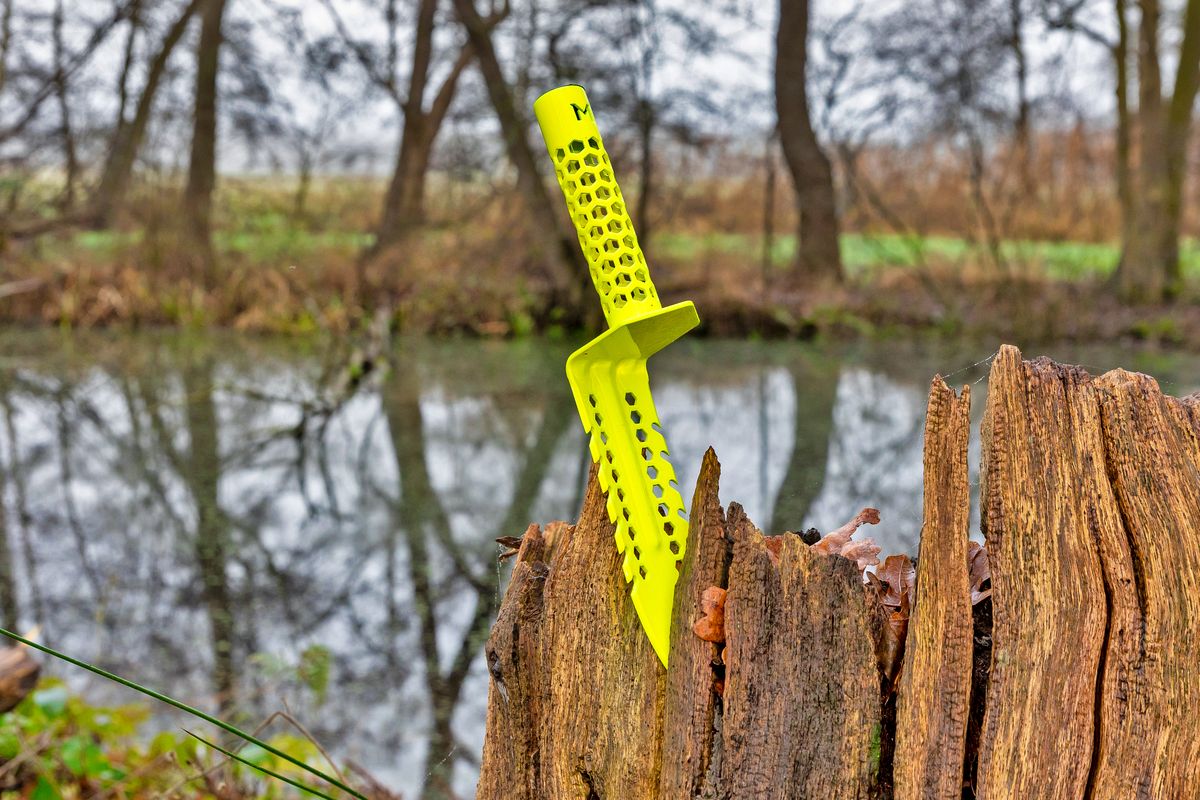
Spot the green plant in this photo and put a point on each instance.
(58, 702)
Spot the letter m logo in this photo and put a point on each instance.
(580, 113)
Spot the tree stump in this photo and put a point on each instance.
(1072, 675)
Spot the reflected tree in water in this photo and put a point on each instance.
(202, 473)
(815, 383)
(419, 517)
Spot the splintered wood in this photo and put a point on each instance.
(935, 684)
(1074, 673)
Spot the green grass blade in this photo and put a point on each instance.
(304, 787)
(195, 712)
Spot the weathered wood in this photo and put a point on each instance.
(935, 687)
(692, 703)
(576, 689)
(579, 708)
(1077, 678)
(1148, 744)
(1042, 502)
(802, 712)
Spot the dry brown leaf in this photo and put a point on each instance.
(898, 580)
(979, 571)
(889, 650)
(835, 541)
(864, 553)
(18, 676)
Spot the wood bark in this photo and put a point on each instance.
(931, 724)
(1042, 500)
(1077, 678)
(802, 711)
(579, 705)
(1147, 743)
(818, 257)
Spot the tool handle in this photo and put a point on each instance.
(585, 175)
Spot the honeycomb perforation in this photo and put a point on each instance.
(615, 259)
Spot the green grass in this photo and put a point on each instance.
(864, 254)
(271, 238)
(265, 239)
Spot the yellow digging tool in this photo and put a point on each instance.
(608, 375)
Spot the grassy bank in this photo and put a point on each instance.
(289, 270)
(868, 255)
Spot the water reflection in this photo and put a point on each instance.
(201, 513)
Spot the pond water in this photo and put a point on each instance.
(215, 515)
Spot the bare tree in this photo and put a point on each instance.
(404, 204)
(1149, 268)
(6, 14)
(128, 134)
(421, 102)
(46, 81)
(66, 132)
(818, 257)
(202, 169)
(559, 253)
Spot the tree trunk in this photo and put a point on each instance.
(202, 168)
(1178, 133)
(1149, 269)
(565, 268)
(6, 14)
(404, 203)
(135, 26)
(818, 258)
(725, 722)
(1124, 134)
(66, 131)
(1076, 677)
(1023, 123)
(128, 136)
(646, 125)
